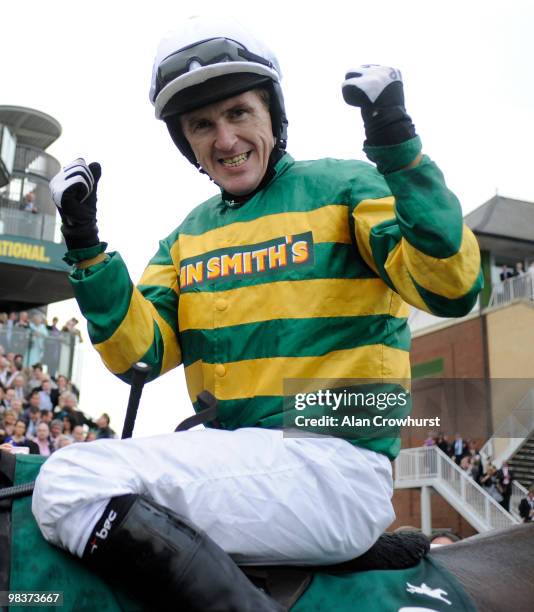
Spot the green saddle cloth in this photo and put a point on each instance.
(426, 587)
(38, 566)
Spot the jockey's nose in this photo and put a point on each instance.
(225, 136)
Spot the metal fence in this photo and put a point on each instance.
(56, 352)
(513, 288)
(26, 224)
(32, 172)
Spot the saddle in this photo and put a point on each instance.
(392, 551)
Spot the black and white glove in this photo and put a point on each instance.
(378, 91)
(73, 190)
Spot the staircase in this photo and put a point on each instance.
(513, 441)
(428, 466)
(522, 462)
(512, 434)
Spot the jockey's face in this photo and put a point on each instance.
(232, 141)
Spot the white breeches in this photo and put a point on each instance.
(264, 498)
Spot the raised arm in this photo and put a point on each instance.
(415, 240)
(126, 323)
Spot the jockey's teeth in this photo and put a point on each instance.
(235, 161)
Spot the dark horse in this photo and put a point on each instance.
(495, 569)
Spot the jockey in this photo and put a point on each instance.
(294, 270)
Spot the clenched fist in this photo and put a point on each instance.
(73, 190)
(378, 92)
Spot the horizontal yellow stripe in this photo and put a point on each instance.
(366, 215)
(132, 339)
(451, 277)
(289, 300)
(329, 224)
(164, 276)
(256, 377)
(135, 335)
(437, 275)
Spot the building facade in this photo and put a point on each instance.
(476, 371)
(32, 271)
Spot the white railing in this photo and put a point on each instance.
(429, 466)
(26, 224)
(518, 493)
(56, 352)
(511, 433)
(513, 288)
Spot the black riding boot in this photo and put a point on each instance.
(167, 562)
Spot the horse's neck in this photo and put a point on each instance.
(494, 568)
(491, 551)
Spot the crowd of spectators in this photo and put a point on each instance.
(465, 453)
(39, 412)
(518, 270)
(32, 339)
(517, 280)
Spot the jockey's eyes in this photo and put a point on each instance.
(201, 124)
(237, 113)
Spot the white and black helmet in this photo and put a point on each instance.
(206, 61)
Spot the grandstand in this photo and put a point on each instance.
(32, 272)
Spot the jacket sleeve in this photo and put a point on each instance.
(128, 323)
(416, 240)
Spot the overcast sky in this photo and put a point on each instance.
(469, 86)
